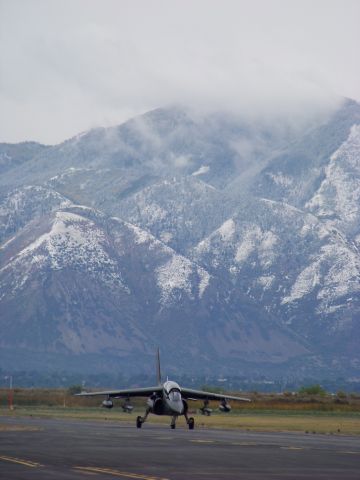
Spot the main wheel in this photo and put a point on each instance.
(139, 422)
(172, 426)
(191, 423)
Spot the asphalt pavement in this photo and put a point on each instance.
(35, 448)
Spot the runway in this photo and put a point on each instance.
(34, 448)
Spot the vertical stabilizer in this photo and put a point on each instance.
(158, 371)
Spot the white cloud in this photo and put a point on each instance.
(69, 65)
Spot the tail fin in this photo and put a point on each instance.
(158, 371)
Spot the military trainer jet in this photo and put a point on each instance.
(166, 398)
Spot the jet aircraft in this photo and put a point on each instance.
(166, 398)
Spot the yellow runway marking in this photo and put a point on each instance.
(20, 461)
(84, 472)
(244, 443)
(19, 428)
(202, 441)
(293, 448)
(118, 473)
(349, 451)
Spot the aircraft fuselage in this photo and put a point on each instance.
(167, 402)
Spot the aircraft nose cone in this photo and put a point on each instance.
(177, 407)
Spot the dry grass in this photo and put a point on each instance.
(326, 423)
(331, 424)
(331, 415)
(260, 402)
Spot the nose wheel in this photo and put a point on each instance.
(191, 423)
(139, 422)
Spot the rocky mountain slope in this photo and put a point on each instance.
(234, 246)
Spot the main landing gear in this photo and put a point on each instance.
(140, 420)
(191, 423)
(189, 420)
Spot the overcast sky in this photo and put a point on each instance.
(67, 66)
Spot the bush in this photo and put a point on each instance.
(341, 394)
(287, 394)
(312, 390)
(74, 389)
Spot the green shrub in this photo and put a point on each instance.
(312, 390)
(341, 394)
(74, 389)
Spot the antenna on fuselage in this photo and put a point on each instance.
(158, 371)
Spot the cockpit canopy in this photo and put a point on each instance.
(173, 391)
(175, 395)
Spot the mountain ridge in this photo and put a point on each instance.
(195, 235)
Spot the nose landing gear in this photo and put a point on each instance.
(191, 423)
(173, 422)
(189, 420)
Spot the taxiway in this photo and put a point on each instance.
(35, 448)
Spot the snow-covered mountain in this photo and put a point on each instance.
(234, 246)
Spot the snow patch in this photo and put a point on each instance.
(227, 230)
(203, 246)
(306, 281)
(204, 280)
(154, 213)
(141, 236)
(267, 253)
(244, 249)
(338, 197)
(166, 237)
(336, 272)
(174, 275)
(281, 179)
(343, 275)
(266, 281)
(72, 241)
(203, 169)
(81, 135)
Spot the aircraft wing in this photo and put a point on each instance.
(201, 395)
(135, 392)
